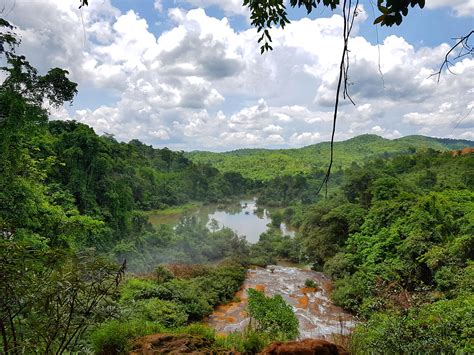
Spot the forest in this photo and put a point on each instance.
(82, 270)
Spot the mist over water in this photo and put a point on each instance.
(243, 217)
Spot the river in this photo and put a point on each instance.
(243, 217)
(318, 317)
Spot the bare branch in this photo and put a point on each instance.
(465, 49)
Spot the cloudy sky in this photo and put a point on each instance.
(188, 74)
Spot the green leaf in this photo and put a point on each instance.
(379, 19)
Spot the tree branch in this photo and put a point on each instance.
(343, 77)
(465, 49)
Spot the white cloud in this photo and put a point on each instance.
(377, 129)
(467, 135)
(203, 85)
(158, 5)
(273, 129)
(304, 138)
(230, 7)
(460, 7)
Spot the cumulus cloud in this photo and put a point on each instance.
(230, 7)
(158, 5)
(460, 7)
(202, 84)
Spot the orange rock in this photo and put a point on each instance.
(229, 319)
(260, 288)
(303, 302)
(308, 289)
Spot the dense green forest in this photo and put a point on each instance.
(397, 237)
(73, 219)
(82, 269)
(265, 164)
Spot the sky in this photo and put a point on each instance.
(188, 74)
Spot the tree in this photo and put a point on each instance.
(50, 293)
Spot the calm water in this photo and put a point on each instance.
(243, 217)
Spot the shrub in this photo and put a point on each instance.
(115, 337)
(138, 289)
(189, 295)
(445, 326)
(247, 342)
(188, 271)
(272, 316)
(310, 283)
(167, 313)
(338, 266)
(163, 274)
(198, 329)
(277, 218)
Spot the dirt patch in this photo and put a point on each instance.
(171, 344)
(304, 347)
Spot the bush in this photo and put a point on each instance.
(272, 316)
(167, 313)
(445, 326)
(338, 266)
(115, 337)
(163, 274)
(189, 271)
(310, 283)
(247, 342)
(189, 295)
(198, 329)
(138, 289)
(277, 218)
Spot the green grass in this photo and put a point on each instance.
(171, 215)
(117, 337)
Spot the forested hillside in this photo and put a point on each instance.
(397, 235)
(264, 164)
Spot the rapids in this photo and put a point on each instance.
(318, 317)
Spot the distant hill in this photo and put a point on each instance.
(267, 163)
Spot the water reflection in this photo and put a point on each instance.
(243, 217)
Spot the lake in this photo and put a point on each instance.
(243, 217)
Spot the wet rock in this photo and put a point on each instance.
(304, 347)
(318, 317)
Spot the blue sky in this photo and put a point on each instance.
(187, 74)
